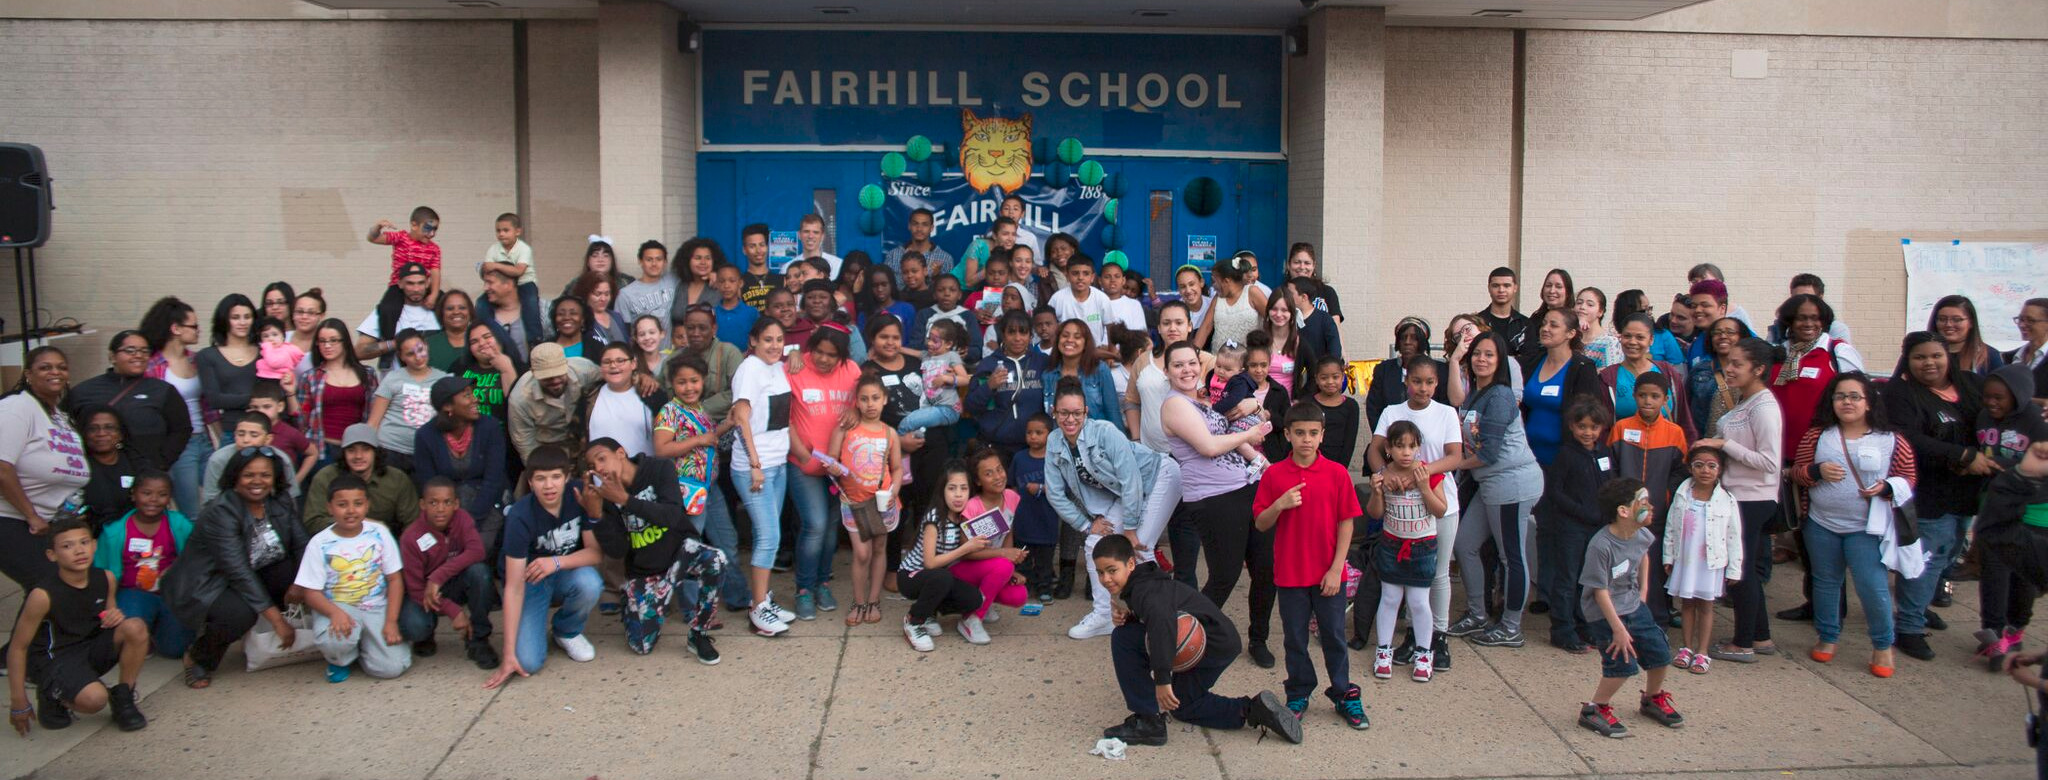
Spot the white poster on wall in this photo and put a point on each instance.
(1997, 277)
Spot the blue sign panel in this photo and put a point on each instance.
(1192, 92)
(961, 214)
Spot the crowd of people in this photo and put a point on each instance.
(985, 427)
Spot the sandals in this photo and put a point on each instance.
(855, 614)
(1729, 652)
(196, 677)
(1700, 664)
(874, 612)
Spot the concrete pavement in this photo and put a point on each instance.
(828, 701)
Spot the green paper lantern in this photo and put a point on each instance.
(1113, 185)
(871, 197)
(919, 148)
(1203, 196)
(893, 165)
(1116, 258)
(871, 222)
(1070, 150)
(931, 171)
(1109, 211)
(1091, 173)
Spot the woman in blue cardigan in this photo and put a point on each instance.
(1079, 360)
(465, 445)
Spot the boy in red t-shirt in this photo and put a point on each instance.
(1309, 504)
(414, 245)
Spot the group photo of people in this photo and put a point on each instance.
(967, 438)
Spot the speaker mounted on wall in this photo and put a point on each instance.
(25, 200)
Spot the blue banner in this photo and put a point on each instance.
(961, 214)
(1192, 92)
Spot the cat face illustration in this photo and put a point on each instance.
(995, 151)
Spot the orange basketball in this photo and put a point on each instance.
(1190, 641)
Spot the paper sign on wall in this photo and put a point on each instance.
(782, 248)
(1997, 276)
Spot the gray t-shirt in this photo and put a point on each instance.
(1614, 564)
(639, 298)
(411, 407)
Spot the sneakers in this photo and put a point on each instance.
(1142, 729)
(1424, 667)
(1599, 719)
(482, 654)
(1994, 646)
(1260, 655)
(1091, 627)
(1404, 653)
(578, 648)
(806, 606)
(1298, 706)
(337, 674)
(781, 614)
(1266, 712)
(1440, 653)
(1498, 636)
(1383, 663)
(1659, 709)
(920, 639)
(1471, 623)
(425, 648)
(1945, 597)
(766, 620)
(971, 629)
(702, 647)
(826, 603)
(1934, 621)
(995, 615)
(1352, 708)
(1914, 646)
(126, 715)
(50, 712)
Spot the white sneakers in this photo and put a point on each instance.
(781, 614)
(578, 648)
(972, 630)
(995, 615)
(767, 619)
(920, 639)
(1091, 627)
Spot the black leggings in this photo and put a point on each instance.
(1752, 617)
(230, 617)
(2015, 565)
(1229, 542)
(935, 592)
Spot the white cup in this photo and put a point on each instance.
(882, 499)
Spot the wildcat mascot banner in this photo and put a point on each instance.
(961, 211)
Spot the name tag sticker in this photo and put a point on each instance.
(1472, 417)
(127, 481)
(1620, 570)
(1809, 372)
(1604, 465)
(1632, 435)
(1551, 391)
(891, 380)
(140, 546)
(427, 542)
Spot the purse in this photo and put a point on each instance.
(266, 650)
(1905, 519)
(867, 519)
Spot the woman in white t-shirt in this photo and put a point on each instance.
(1443, 446)
(760, 462)
(617, 410)
(42, 465)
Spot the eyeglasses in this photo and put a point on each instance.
(132, 351)
(1951, 320)
(1850, 397)
(617, 361)
(1069, 415)
(309, 312)
(2024, 321)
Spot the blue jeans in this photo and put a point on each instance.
(764, 507)
(187, 471)
(817, 537)
(715, 523)
(575, 591)
(1830, 552)
(166, 635)
(1938, 538)
(928, 417)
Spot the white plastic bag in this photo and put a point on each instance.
(266, 651)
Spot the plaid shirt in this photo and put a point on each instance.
(312, 394)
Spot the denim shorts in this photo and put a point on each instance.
(1653, 650)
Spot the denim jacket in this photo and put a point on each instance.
(1099, 388)
(1121, 465)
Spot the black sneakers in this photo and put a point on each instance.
(1599, 719)
(1404, 653)
(126, 715)
(1140, 730)
(702, 647)
(425, 648)
(1440, 653)
(1659, 709)
(1914, 646)
(482, 654)
(1268, 712)
(50, 712)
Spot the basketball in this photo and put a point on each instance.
(1190, 641)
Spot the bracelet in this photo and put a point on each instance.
(22, 711)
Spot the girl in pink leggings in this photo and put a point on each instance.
(994, 570)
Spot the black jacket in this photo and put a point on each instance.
(1156, 600)
(2005, 502)
(1389, 387)
(1581, 377)
(215, 561)
(648, 530)
(1571, 481)
(1943, 436)
(154, 411)
(1318, 339)
(479, 487)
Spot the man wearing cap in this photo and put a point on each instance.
(543, 404)
(374, 338)
(393, 501)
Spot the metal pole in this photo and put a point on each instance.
(21, 292)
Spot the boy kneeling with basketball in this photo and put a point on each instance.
(1169, 647)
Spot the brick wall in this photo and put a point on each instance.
(561, 157)
(647, 127)
(198, 158)
(1644, 157)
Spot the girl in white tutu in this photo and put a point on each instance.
(1702, 552)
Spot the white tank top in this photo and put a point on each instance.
(1153, 389)
(1233, 321)
(188, 387)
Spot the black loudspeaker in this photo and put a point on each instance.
(25, 201)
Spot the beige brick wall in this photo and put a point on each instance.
(199, 158)
(1448, 149)
(1645, 157)
(647, 126)
(561, 158)
(1336, 133)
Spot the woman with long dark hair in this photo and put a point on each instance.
(1509, 483)
(1934, 402)
(488, 368)
(1955, 320)
(1301, 261)
(1849, 458)
(335, 392)
(307, 311)
(599, 258)
(227, 370)
(597, 293)
(696, 269)
(277, 301)
(171, 328)
(1751, 434)
(570, 318)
